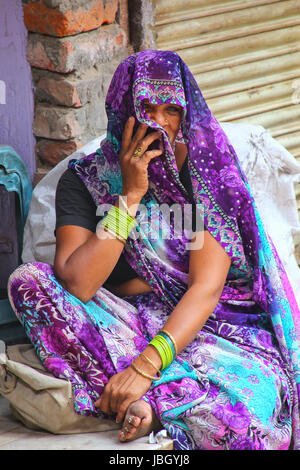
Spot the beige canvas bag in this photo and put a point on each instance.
(38, 399)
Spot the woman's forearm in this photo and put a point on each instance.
(89, 265)
(186, 320)
(191, 313)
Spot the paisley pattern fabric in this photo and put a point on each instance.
(236, 386)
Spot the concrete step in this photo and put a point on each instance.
(15, 436)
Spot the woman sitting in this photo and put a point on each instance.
(154, 322)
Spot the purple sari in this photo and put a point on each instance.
(236, 386)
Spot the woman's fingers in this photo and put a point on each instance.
(134, 170)
(129, 141)
(144, 143)
(116, 397)
(104, 401)
(117, 388)
(127, 134)
(98, 403)
(140, 139)
(122, 410)
(147, 157)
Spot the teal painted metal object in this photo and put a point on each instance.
(15, 177)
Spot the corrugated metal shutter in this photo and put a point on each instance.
(245, 56)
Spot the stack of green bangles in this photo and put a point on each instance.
(166, 347)
(118, 223)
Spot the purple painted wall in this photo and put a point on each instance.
(16, 93)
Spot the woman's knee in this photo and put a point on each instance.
(25, 278)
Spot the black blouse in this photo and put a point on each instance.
(75, 206)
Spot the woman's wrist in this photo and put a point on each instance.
(149, 361)
(129, 201)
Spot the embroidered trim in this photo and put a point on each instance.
(240, 263)
(175, 173)
(213, 201)
(159, 91)
(157, 81)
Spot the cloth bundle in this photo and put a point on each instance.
(38, 399)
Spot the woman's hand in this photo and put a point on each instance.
(135, 170)
(129, 386)
(122, 389)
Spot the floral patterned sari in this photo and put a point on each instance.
(236, 385)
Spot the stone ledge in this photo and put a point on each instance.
(15, 436)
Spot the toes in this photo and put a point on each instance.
(130, 427)
(133, 421)
(126, 434)
(137, 423)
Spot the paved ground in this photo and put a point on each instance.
(15, 436)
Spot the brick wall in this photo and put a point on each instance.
(73, 48)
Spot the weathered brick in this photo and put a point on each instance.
(61, 123)
(77, 53)
(70, 90)
(65, 18)
(60, 90)
(51, 152)
(54, 122)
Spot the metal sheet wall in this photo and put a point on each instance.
(245, 56)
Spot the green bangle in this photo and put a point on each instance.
(115, 235)
(119, 222)
(171, 340)
(164, 349)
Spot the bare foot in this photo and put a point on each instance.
(139, 421)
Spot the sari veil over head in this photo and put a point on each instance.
(256, 322)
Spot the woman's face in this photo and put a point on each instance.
(167, 116)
